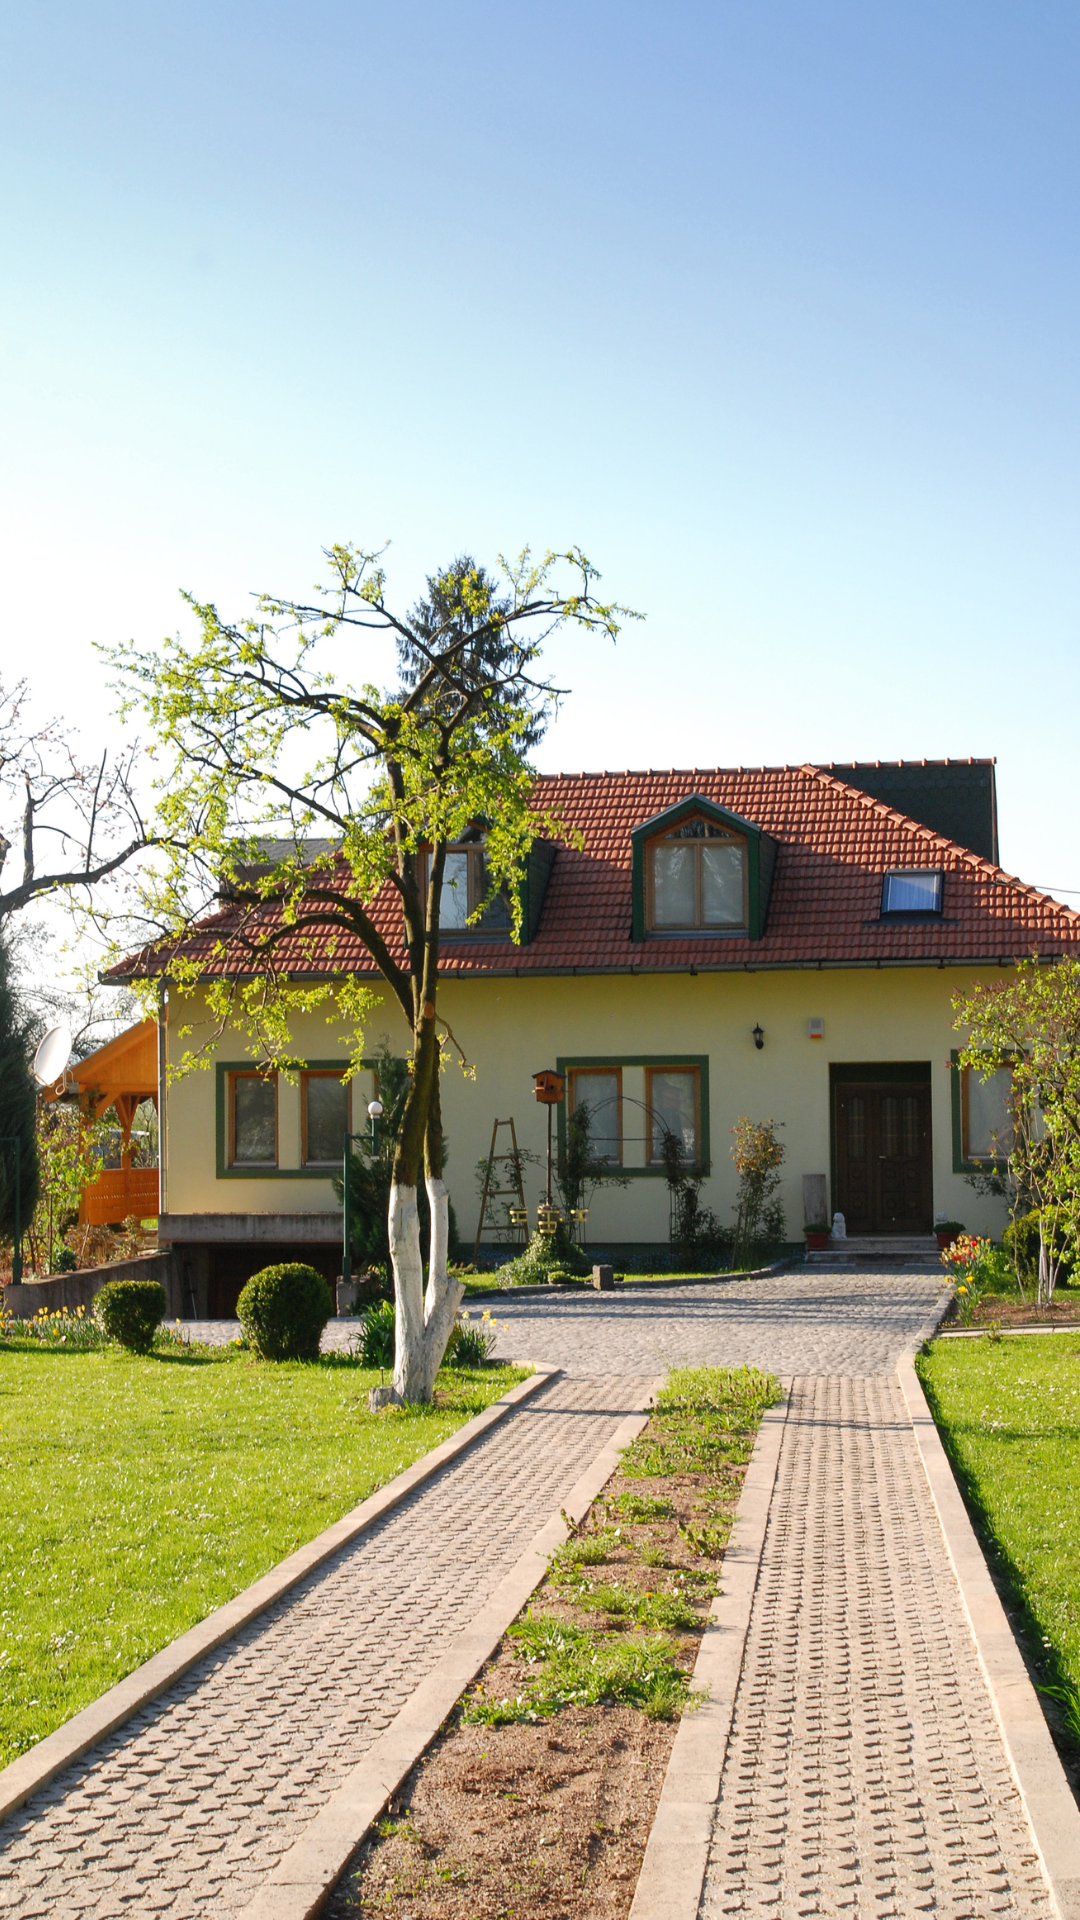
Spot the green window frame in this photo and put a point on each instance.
(569, 1063)
(760, 867)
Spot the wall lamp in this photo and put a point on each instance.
(759, 1038)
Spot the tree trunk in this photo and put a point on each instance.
(423, 1322)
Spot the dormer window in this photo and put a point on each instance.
(696, 876)
(466, 883)
(916, 890)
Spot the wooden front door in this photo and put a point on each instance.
(884, 1169)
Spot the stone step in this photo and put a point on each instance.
(875, 1248)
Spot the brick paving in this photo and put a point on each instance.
(187, 1808)
(865, 1773)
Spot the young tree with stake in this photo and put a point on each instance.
(261, 748)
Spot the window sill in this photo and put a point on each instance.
(697, 933)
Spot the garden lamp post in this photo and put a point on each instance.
(375, 1111)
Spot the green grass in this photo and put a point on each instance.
(1009, 1412)
(577, 1668)
(137, 1494)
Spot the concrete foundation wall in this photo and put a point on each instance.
(66, 1291)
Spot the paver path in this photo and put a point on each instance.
(865, 1773)
(187, 1808)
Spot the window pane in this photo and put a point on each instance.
(672, 1102)
(454, 904)
(722, 886)
(327, 1118)
(989, 1121)
(911, 893)
(254, 1120)
(599, 1092)
(856, 1125)
(890, 1126)
(673, 886)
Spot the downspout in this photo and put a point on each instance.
(162, 1094)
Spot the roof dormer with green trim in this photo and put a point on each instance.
(699, 872)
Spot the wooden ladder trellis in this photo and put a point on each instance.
(492, 1194)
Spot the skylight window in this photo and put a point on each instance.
(917, 891)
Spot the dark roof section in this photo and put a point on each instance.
(956, 798)
(833, 844)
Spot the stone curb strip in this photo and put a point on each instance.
(673, 1870)
(50, 1756)
(307, 1873)
(1052, 1812)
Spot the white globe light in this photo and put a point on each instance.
(375, 1109)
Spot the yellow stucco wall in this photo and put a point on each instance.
(512, 1028)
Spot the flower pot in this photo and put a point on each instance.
(816, 1242)
(946, 1237)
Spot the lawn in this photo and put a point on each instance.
(1009, 1412)
(137, 1494)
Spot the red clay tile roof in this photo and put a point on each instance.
(834, 843)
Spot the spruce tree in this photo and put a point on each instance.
(17, 1106)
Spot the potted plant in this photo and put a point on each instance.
(947, 1231)
(817, 1236)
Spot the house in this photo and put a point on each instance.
(778, 942)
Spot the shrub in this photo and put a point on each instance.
(544, 1255)
(469, 1345)
(283, 1311)
(67, 1261)
(377, 1335)
(1021, 1241)
(131, 1311)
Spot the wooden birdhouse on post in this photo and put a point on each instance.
(549, 1087)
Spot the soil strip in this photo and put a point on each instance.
(538, 1796)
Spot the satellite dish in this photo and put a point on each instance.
(52, 1056)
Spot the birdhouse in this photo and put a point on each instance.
(549, 1087)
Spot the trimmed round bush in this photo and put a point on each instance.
(131, 1311)
(283, 1311)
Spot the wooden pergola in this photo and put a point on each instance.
(121, 1075)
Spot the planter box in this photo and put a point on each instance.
(816, 1242)
(946, 1239)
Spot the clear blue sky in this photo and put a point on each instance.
(772, 308)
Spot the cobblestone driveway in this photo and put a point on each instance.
(804, 1321)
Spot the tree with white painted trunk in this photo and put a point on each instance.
(262, 745)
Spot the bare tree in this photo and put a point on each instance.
(75, 822)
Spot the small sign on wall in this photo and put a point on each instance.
(816, 1029)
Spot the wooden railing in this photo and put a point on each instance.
(117, 1193)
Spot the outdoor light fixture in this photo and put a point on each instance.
(375, 1109)
(759, 1038)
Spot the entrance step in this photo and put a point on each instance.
(878, 1249)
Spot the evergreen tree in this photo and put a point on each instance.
(18, 1103)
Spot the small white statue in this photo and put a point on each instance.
(839, 1227)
